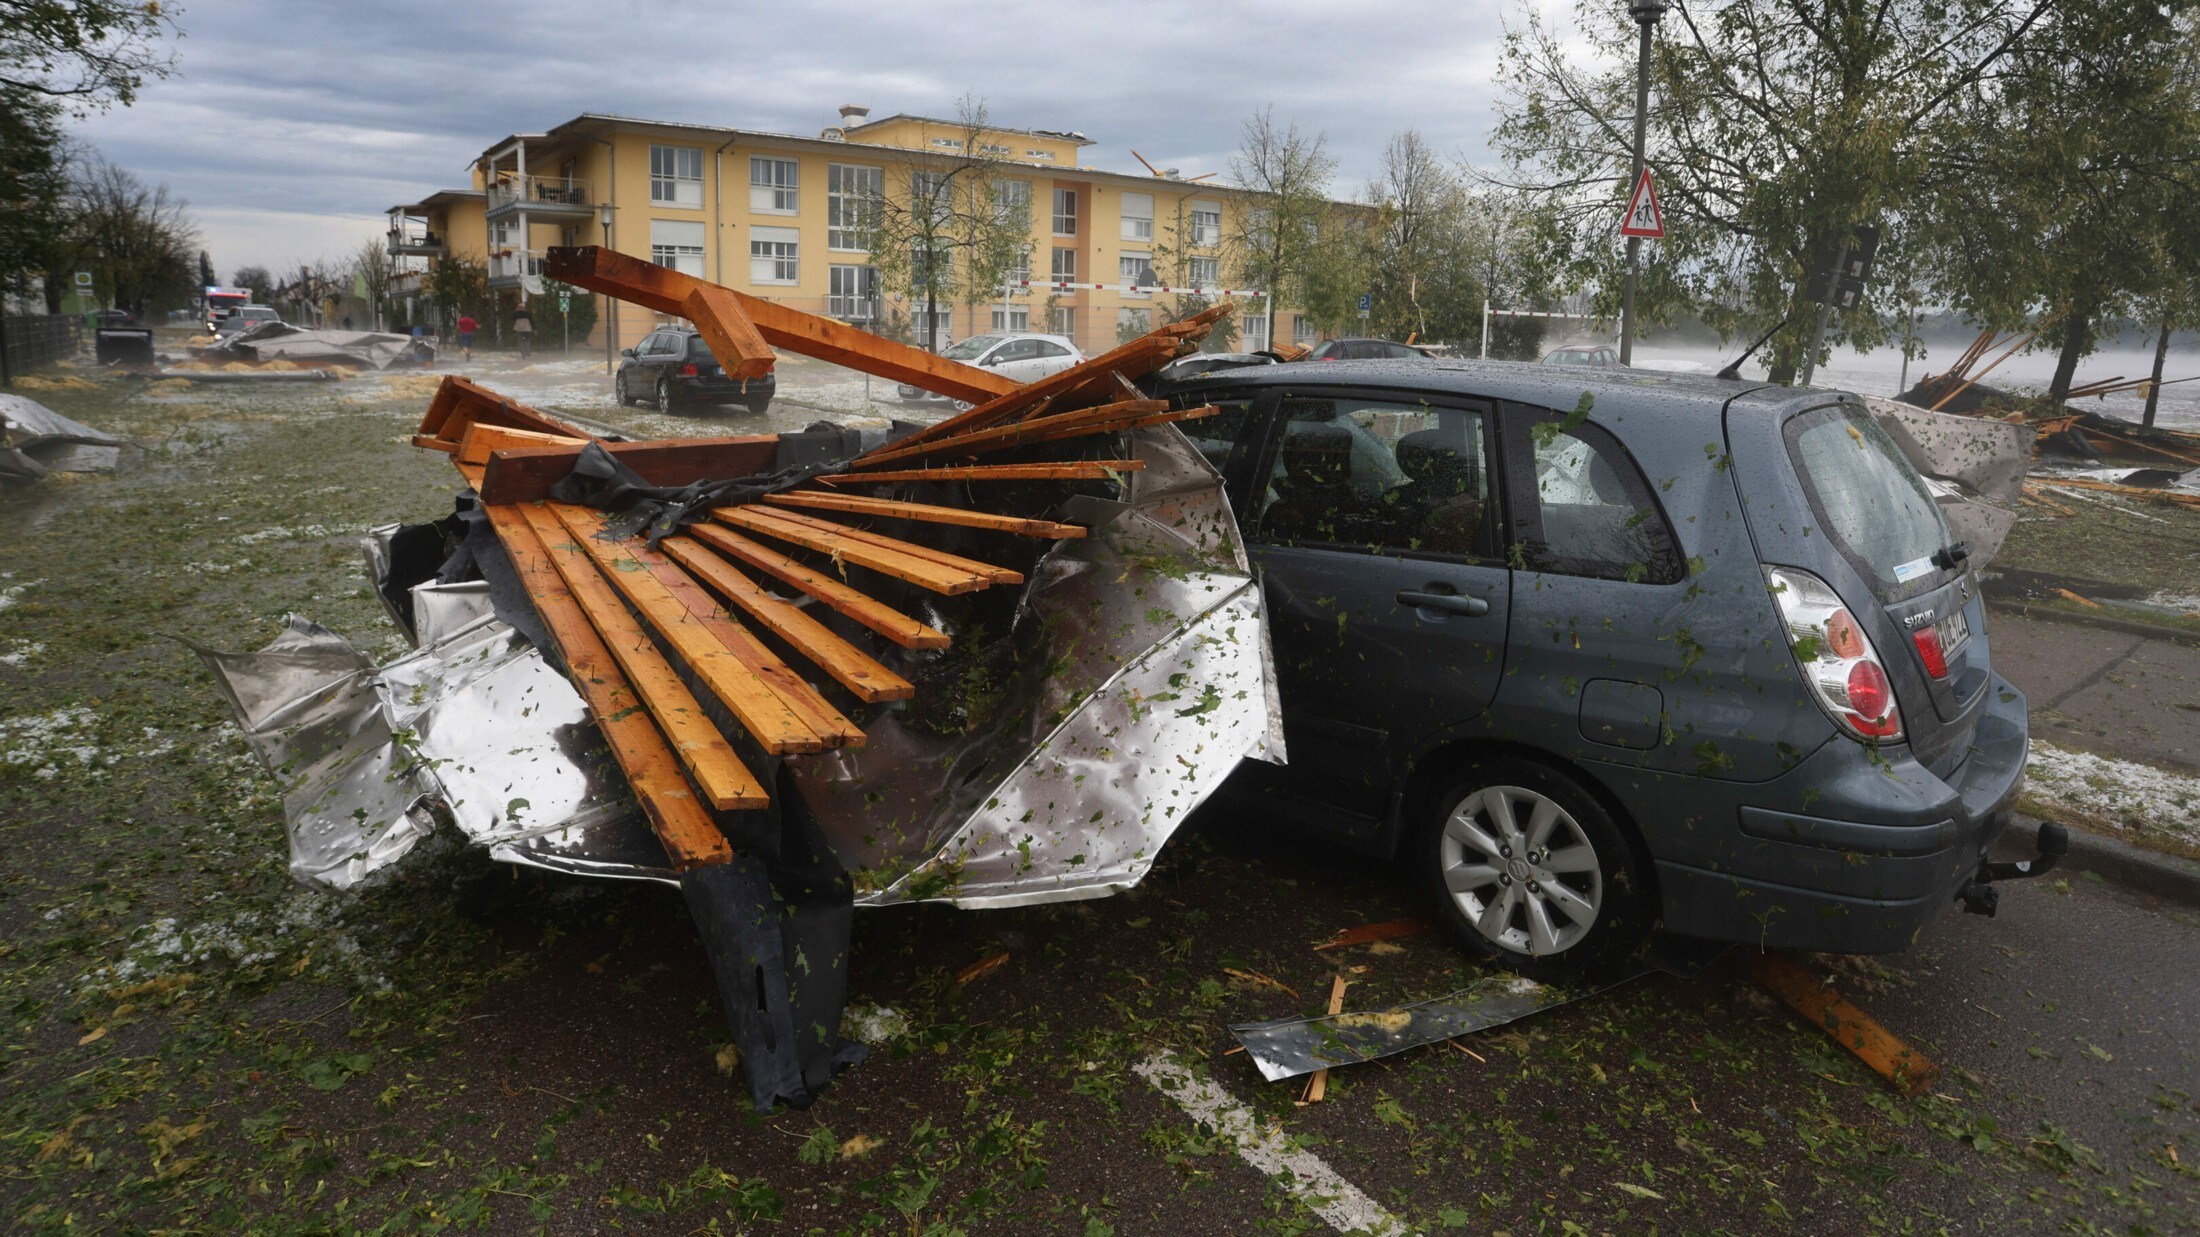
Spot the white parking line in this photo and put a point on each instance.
(1304, 1175)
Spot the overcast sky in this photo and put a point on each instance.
(291, 128)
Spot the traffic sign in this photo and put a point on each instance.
(1643, 217)
(565, 300)
(1367, 302)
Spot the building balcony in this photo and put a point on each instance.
(417, 244)
(507, 266)
(547, 196)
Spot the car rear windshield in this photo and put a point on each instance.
(697, 349)
(1870, 503)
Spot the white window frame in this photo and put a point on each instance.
(1303, 330)
(1206, 224)
(1205, 272)
(1065, 198)
(1018, 318)
(1137, 211)
(851, 192)
(676, 179)
(679, 244)
(1136, 268)
(1253, 332)
(775, 185)
(1007, 196)
(852, 292)
(775, 256)
(1060, 271)
(1064, 321)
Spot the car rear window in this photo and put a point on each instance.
(697, 349)
(1870, 503)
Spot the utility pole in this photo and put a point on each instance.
(1825, 311)
(1646, 14)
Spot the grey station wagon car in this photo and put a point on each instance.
(1597, 650)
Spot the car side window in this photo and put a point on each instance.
(1231, 435)
(1043, 348)
(1581, 506)
(1376, 476)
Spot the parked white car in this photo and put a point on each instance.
(1022, 356)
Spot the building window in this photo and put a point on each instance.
(1065, 266)
(1205, 272)
(774, 255)
(936, 188)
(924, 263)
(1039, 154)
(1065, 321)
(948, 143)
(852, 293)
(851, 200)
(1206, 224)
(1018, 318)
(503, 234)
(676, 176)
(1302, 330)
(1019, 269)
(1012, 203)
(1253, 330)
(775, 185)
(1065, 212)
(677, 243)
(1138, 216)
(990, 148)
(1136, 268)
(1130, 323)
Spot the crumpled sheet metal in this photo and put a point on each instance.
(35, 440)
(475, 728)
(1974, 467)
(1159, 680)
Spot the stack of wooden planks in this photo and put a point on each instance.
(636, 625)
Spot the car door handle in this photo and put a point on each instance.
(1456, 603)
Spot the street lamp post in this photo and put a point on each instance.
(611, 327)
(1646, 14)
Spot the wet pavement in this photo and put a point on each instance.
(2096, 689)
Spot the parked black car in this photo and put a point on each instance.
(1531, 639)
(1365, 350)
(673, 368)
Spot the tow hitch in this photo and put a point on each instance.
(1979, 897)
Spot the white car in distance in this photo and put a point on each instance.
(1019, 355)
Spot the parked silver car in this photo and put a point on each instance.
(1020, 355)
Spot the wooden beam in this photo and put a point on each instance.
(461, 402)
(758, 708)
(843, 546)
(1077, 470)
(482, 438)
(927, 513)
(525, 474)
(914, 549)
(652, 768)
(1002, 437)
(869, 611)
(733, 338)
(665, 290)
(800, 699)
(854, 669)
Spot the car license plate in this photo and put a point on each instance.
(1955, 632)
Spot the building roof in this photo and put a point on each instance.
(1072, 136)
(441, 197)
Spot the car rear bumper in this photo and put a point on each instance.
(727, 390)
(1849, 852)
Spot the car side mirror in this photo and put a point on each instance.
(990, 360)
(626, 352)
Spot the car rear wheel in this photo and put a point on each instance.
(760, 406)
(618, 389)
(1527, 868)
(665, 402)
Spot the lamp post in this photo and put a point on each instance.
(611, 327)
(1646, 14)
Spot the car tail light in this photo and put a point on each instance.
(1837, 658)
(688, 370)
(1928, 648)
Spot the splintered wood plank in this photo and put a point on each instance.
(775, 726)
(1079, 470)
(717, 770)
(460, 402)
(927, 513)
(872, 613)
(732, 336)
(637, 742)
(1001, 437)
(482, 438)
(666, 290)
(801, 699)
(526, 474)
(845, 546)
(434, 444)
(1053, 429)
(882, 541)
(854, 669)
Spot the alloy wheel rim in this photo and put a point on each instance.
(1522, 871)
(664, 395)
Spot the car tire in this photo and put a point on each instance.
(665, 402)
(759, 407)
(618, 390)
(1527, 868)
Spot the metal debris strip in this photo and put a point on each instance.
(36, 441)
(279, 341)
(1288, 1047)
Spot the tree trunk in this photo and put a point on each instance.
(2154, 388)
(2075, 327)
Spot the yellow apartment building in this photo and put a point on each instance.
(775, 215)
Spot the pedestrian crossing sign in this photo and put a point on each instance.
(1643, 218)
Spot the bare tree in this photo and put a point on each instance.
(946, 227)
(139, 241)
(370, 271)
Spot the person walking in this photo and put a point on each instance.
(523, 329)
(466, 328)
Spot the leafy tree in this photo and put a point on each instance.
(85, 53)
(256, 280)
(1778, 127)
(34, 189)
(370, 272)
(944, 228)
(138, 240)
(459, 286)
(1273, 240)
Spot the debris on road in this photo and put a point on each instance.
(1849, 1026)
(1369, 933)
(36, 441)
(270, 342)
